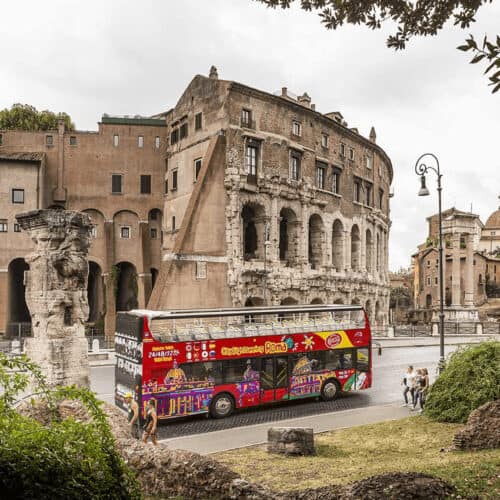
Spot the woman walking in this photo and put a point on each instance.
(151, 423)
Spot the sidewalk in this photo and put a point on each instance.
(240, 437)
(386, 342)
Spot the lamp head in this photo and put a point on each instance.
(423, 188)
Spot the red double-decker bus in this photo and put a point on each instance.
(217, 360)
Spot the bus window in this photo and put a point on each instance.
(210, 370)
(234, 370)
(338, 359)
(363, 360)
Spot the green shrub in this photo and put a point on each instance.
(470, 379)
(64, 459)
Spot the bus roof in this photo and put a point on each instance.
(241, 311)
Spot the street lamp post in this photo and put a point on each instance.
(421, 168)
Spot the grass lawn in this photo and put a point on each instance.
(343, 456)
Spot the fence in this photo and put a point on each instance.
(459, 328)
(413, 330)
(380, 331)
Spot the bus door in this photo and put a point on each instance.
(274, 379)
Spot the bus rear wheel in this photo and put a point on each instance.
(330, 390)
(222, 405)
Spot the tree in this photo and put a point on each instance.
(422, 18)
(26, 117)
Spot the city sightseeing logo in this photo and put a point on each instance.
(333, 340)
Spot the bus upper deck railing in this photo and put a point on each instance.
(166, 331)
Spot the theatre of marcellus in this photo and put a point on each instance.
(235, 197)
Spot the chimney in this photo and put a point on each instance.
(305, 100)
(313, 107)
(373, 135)
(213, 73)
(284, 92)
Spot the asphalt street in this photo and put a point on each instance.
(388, 371)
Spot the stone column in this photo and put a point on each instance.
(143, 272)
(347, 250)
(273, 248)
(56, 293)
(469, 272)
(304, 240)
(455, 271)
(109, 285)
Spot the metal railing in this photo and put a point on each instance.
(380, 331)
(413, 330)
(491, 328)
(459, 328)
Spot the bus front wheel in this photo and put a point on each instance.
(330, 390)
(222, 405)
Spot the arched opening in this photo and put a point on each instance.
(288, 235)
(369, 244)
(126, 286)
(252, 302)
(355, 301)
(315, 241)
(154, 276)
(338, 245)
(94, 292)
(428, 300)
(287, 301)
(447, 297)
(317, 300)
(355, 248)
(253, 231)
(378, 315)
(18, 315)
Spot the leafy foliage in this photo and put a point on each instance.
(26, 117)
(422, 18)
(63, 459)
(400, 296)
(470, 379)
(489, 51)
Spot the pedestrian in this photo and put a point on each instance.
(424, 386)
(151, 423)
(133, 415)
(408, 383)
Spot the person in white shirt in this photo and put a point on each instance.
(408, 384)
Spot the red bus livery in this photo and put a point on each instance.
(216, 360)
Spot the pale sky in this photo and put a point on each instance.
(124, 57)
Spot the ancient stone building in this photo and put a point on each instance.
(116, 176)
(238, 195)
(467, 267)
(269, 201)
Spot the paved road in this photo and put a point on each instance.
(388, 371)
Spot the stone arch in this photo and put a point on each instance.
(17, 310)
(254, 227)
(315, 241)
(252, 302)
(154, 277)
(338, 245)
(95, 292)
(355, 301)
(368, 253)
(125, 282)
(428, 300)
(378, 313)
(355, 248)
(317, 300)
(289, 301)
(338, 301)
(369, 310)
(288, 235)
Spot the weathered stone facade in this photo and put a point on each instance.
(270, 201)
(56, 293)
(466, 271)
(115, 175)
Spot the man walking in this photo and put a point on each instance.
(133, 415)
